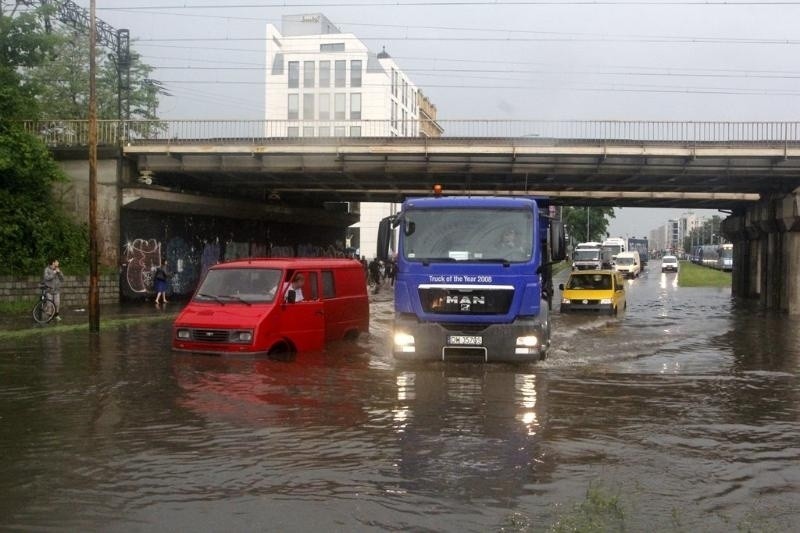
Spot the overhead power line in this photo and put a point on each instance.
(415, 3)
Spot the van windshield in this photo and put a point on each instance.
(624, 261)
(589, 281)
(245, 285)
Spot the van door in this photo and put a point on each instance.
(304, 322)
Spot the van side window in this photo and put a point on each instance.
(328, 289)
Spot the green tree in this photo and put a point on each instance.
(575, 222)
(62, 83)
(33, 227)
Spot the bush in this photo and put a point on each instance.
(33, 227)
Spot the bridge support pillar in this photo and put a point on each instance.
(767, 253)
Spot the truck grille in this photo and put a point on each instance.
(466, 301)
(210, 335)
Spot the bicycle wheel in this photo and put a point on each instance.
(44, 311)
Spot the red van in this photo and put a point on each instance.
(274, 306)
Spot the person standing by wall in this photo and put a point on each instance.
(160, 282)
(52, 280)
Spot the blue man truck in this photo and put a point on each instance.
(474, 278)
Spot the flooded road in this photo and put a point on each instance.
(684, 413)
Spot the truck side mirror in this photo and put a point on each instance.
(384, 238)
(558, 243)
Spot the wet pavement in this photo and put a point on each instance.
(683, 414)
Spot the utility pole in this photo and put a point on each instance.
(94, 300)
(587, 223)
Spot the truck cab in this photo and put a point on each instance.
(473, 278)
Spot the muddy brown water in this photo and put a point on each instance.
(685, 410)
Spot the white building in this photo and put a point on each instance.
(322, 83)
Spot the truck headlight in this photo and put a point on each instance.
(526, 345)
(565, 300)
(184, 334)
(605, 301)
(404, 342)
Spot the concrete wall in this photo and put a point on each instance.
(74, 196)
(74, 290)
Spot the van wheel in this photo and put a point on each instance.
(281, 352)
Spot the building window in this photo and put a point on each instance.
(294, 107)
(394, 115)
(355, 131)
(308, 74)
(324, 107)
(394, 82)
(338, 131)
(308, 106)
(355, 106)
(293, 131)
(338, 106)
(308, 131)
(339, 67)
(355, 73)
(294, 74)
(324, 73)
(331, 47)
(324, 131)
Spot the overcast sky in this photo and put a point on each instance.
(635, 60)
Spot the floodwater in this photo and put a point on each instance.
(684, 413)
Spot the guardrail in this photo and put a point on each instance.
(113, 132)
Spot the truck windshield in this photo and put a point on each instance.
(244, 285)
(468, 235)
(587, 255)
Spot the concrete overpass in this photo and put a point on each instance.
(750, 169)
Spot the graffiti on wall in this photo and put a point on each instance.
(183, 265)
(141, 257)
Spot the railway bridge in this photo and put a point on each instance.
(251, 170)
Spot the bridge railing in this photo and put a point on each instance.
(113, 132)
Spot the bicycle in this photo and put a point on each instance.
(45, 308)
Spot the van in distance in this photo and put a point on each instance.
(628, 264)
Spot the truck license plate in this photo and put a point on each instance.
(471, 340)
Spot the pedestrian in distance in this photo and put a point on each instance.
(160, 279)
(52, 280)
(375, 268)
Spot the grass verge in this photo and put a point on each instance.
(692, 275)
(112, 323)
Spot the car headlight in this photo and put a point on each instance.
(404, 342)
(184, 334)
(605, 301)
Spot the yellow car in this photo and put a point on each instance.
(593, 290)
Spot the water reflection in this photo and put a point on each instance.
(470, 432)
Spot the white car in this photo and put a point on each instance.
(669, 263)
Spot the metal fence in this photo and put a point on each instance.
(113, 132)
